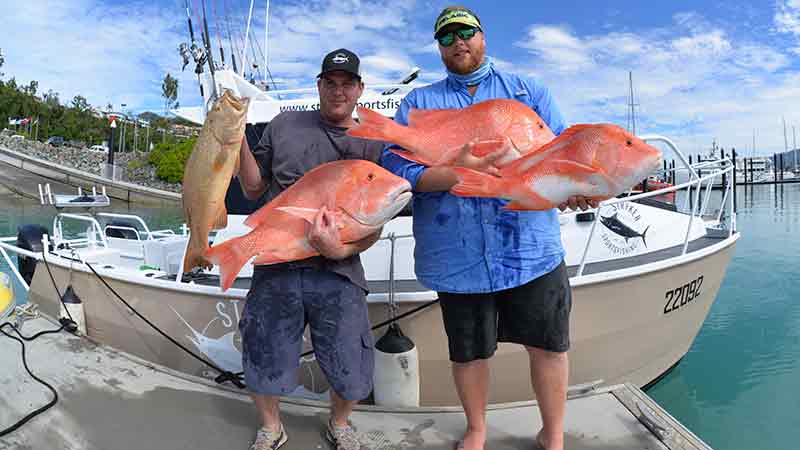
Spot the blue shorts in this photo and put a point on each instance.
(279, 305)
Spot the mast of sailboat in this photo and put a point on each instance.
(631, 106)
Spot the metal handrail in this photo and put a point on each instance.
(727, 166)
(130, 217)
(57, 231)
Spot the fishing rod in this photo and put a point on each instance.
(195, 52)
(207, 42)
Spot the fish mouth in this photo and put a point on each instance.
(395, 202)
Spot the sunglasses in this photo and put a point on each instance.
(465, 34)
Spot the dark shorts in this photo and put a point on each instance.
(279, 305)
(535, 314)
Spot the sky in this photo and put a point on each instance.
(703, 71)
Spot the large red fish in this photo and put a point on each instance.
(597, 161)
(362, 195)
(434, 137)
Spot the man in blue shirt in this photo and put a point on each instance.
(499, 274)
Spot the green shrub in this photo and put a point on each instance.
(170, 159)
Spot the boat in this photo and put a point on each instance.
(644, 275)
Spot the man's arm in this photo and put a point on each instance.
(249, 173)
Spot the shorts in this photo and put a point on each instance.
(279, 305)
(535, 314)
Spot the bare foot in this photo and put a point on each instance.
(540, 443)
(473, 440)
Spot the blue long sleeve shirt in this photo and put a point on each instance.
(473, 245)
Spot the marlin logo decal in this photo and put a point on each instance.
(220, 351)
(615, 225)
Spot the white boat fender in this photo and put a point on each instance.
(396, 376)
(74, 305)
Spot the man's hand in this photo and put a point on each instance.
(485, 164)
(324, 236)
(577, 201)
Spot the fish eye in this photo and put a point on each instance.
(629, 142)
(371, 177)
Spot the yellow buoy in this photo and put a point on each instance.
(6, 296)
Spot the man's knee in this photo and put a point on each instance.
(537, 353)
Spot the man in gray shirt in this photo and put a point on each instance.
(327, 292)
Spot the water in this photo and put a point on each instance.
(737, 387)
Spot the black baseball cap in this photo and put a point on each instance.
(343, 60)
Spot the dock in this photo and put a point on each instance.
(112, 400)
(55, 174)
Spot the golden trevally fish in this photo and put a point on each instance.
(208, 172)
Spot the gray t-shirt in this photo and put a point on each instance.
(296, 142)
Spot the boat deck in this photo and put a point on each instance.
(111, 400)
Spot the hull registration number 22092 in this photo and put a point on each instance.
(682, 295)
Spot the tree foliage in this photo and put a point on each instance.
(76, 121)
(169, 90)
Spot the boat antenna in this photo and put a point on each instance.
(266, 45)
(230, 37)
(246, 36)
(219, 32)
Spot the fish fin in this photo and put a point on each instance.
(410, 156)
(567, 167)
(267, 258)
(258, 217)
(472, 183)
(222, 219)
(515, 206)
(575, 129)
(220, 160)
(372, 125)
(428, 117)
(307, 214)
(230, 256)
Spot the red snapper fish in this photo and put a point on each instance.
(362, 195)
(597, 161)
(434, 137)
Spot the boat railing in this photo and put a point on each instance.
(693, 186)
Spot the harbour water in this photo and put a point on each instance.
(737, 386)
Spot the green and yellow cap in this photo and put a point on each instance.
(456, 14)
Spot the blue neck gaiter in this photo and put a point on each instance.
(471, 79)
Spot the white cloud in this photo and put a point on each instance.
(693, 81)
(787, 17)
(120, 54)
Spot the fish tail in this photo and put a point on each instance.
(194, 256)
(643, 235)
(230, 256)
(374, 126)
(472, 183)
